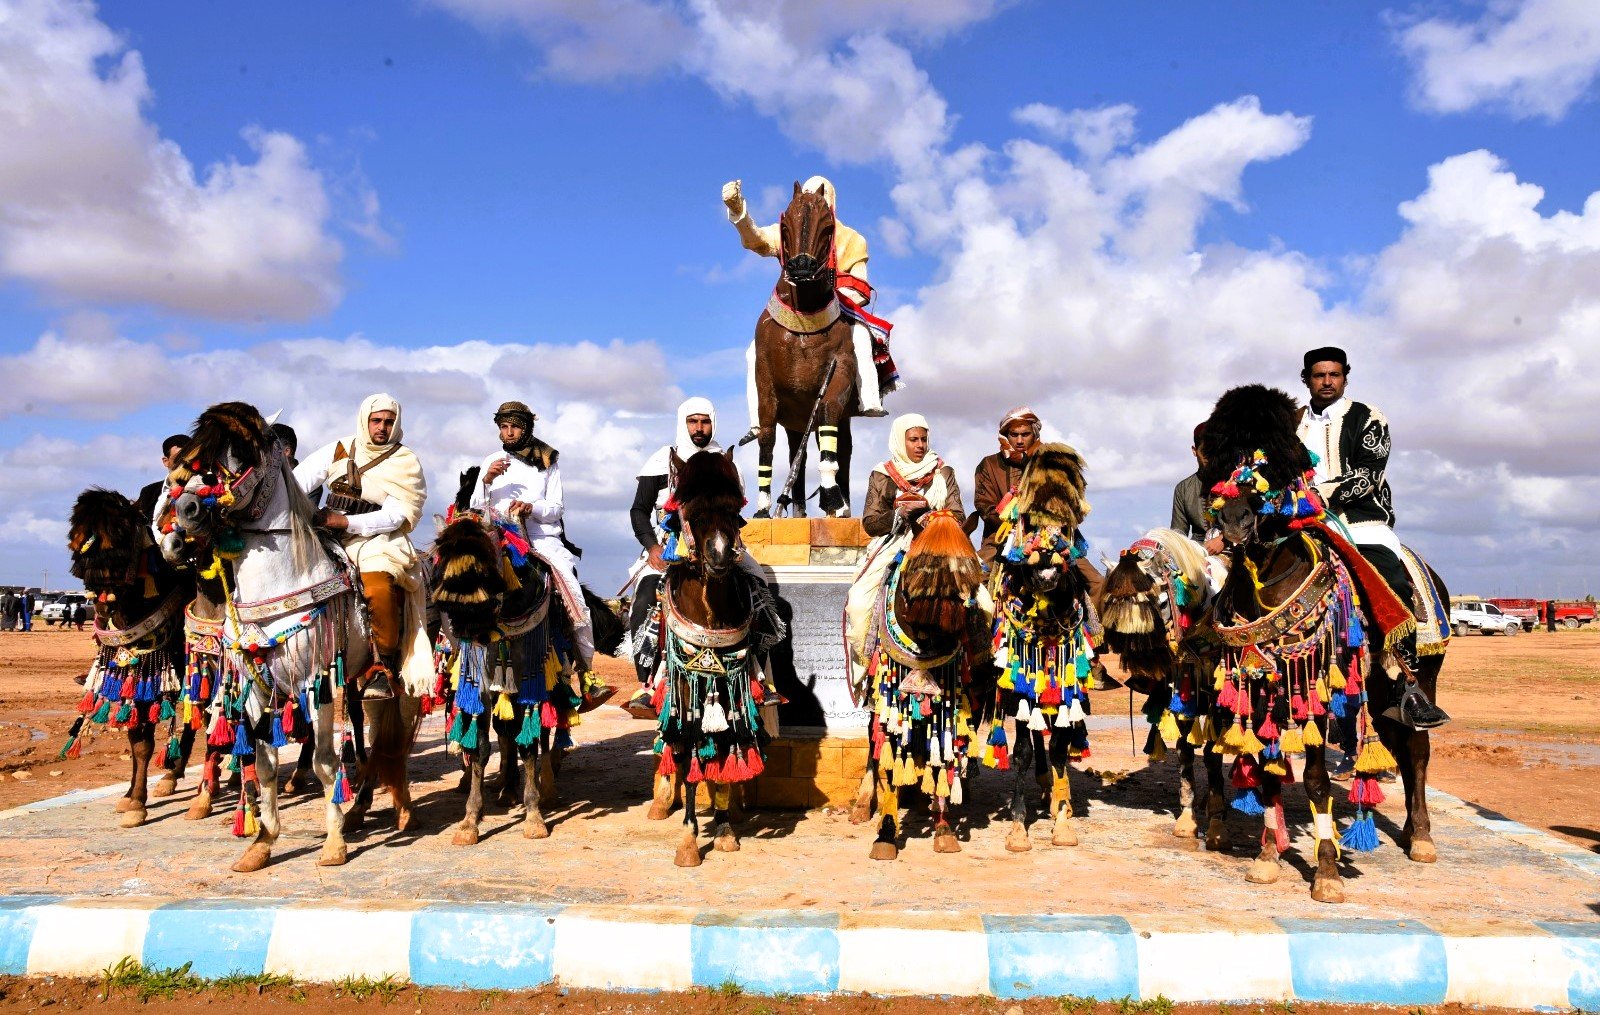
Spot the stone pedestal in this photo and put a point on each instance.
(819, 755)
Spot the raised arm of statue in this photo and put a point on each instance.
(761, 239)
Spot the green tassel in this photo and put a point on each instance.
(530, 727)
(172, 749)
(469, 739)
(167, 711)
(103, 713)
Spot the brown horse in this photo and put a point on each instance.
(136, 679)
(710, 728)
(805, 361)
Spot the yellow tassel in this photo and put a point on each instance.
(1311, 735)
(251, 826)
(941, 786)
(1233, 741)
(502, 707)
(1374, 757)
(1159, 751)
(1292, 742)
(1252, 743)
(1275, 767)
(1200, 732)
(927, 781)
(1168, 728)
(1217, 677)
(1322, 691)
(1335, 677)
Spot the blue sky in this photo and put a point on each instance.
(516, 206)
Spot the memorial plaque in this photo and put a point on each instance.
(810, 668)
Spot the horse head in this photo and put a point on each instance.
(109, 541)
(470, 582)
(1157, 582)
(805, 242)
(1043, 521)
(939, 579)
(221, 474)
(1254, 465)
(710, 497)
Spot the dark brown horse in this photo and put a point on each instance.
(136, 679)
(1285, 568)
(804, 357)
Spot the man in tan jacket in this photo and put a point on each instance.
(850, 256)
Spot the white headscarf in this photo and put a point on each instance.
(696, 406)
(909, 470)
(824, 186)
(399, 475)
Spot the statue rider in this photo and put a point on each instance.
(1350, 442)
(875, 373)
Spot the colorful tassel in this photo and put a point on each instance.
(1361, 835)
(1375, 757)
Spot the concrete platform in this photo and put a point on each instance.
(1507, 917)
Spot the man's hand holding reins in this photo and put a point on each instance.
(333, 521)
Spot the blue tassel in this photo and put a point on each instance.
(1361, 835)
(1337, 704)
(278, 739)
(241, 741)
(341, 787)
(997, 734)
(1247, 802)
(468, 699)
(564, 740)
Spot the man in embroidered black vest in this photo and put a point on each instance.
(1350, 441)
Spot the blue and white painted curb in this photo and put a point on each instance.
(508, 946)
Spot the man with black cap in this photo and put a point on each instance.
(521, 484)
(1189, 500)
(150, 496)
(1350, 442)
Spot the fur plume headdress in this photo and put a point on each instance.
(1244, 421)
(1050, 493)
(235, 428)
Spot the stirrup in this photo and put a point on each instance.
(877, 413)
(1418, 712)
(374, 683)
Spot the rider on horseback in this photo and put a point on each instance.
(521, 486)
(1350, 443)
(376, 492)
(877, 373)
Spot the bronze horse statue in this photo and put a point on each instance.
(805, 363)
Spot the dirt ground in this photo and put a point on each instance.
(1525, 742)
(20, 995)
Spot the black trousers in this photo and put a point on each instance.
(1392, 568)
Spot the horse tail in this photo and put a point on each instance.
(391, 737)
(608, 629)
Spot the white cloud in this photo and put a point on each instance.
(1527, 57)
(96, 205)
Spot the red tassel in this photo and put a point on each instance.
(288, 718)
(1050, 695)
(1002, 757)
(695, 774)
(1268, 730)
(76, 750)
(1244, 773)
(658, 697)
(205, 688)
(668, 766)
(1297, 707)
(221, 733)
(712, 771)
(1228, 697)
(127, 688)
(427, 704)
(757, 692)
(86, 703)
(154, 713)
(547, 715)
(238, 820)
(753, 765)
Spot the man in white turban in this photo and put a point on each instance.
(850, 256)
(376, 492)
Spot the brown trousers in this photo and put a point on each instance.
(385, 605)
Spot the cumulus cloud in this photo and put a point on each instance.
(96, 205)
(1531, 58)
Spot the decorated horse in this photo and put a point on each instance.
(1154, 606)
(928, 639)
(508, 672)
(293, 634)
(1045, 633)
(717, 622)
(137, 680)
(805, 363)
(1308, 630)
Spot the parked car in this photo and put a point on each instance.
(57, 610)
(1570, 613)
(1485, 618)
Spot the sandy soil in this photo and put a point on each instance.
(1525, 743)
(18, 995)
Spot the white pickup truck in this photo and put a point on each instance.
(1485, 618)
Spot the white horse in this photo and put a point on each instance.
(294, 630)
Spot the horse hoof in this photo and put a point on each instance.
(405, 819)
(1217, 837)
(292, 786)
(466, 835)
(884, 850)
(535, 830)
(1262, 872)
(333, 856)
(1063, 835)
(354, 821)
(1423, 851)
(165, 786)
(125, 804)
(1185, 827)
(255, 858)
(1017, 839)
(688, 854)
(763, 513)
(133, 819)
(1327, 889)
(724, 841)
(200, 809)
(946, 842)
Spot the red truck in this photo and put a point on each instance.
(1569, 613)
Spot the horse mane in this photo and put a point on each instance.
(470, 583)
(1190, 555)
(1248, 419)
(941, 573)
(1050, 493)
(709, 487)
(229, 428)
(464, 490)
